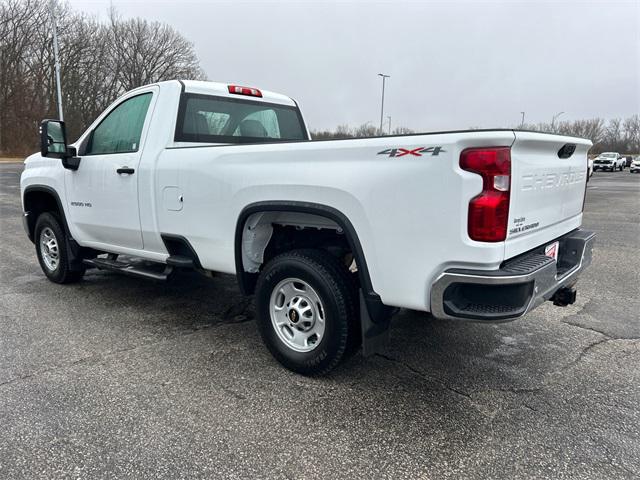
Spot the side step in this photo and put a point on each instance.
(135, 269)
(180, 261)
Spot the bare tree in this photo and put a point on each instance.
(402, 131)
(631, 128)
(616, 135)
(613, 134)
(22, 71)
(99, 61)
(362, 131)
(146, 52)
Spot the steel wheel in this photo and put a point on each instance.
(49, 249)
(306, 310)
(297, 314)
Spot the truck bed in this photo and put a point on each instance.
(406, 196)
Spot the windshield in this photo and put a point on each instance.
(210, 119)
(608, 155)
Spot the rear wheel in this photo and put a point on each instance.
(307, 312)
(51, 248)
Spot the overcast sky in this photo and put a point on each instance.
(453, 65)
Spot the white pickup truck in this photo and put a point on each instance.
(331, 236)
(609, 161)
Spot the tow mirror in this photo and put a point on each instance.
(53, 139)
(53, 143)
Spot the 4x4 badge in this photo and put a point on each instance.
(417, 152)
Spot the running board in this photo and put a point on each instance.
(180, 261)
(129, 268)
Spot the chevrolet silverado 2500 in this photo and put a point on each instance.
(331, 236)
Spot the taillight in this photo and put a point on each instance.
(489, 211)
(252, 92)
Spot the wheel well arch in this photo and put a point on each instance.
(247, 280)
(38, 199)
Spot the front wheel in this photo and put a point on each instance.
(51, 248)
(307, 314)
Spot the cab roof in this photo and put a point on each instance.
(222, 90)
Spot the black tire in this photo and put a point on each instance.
(331, 281)
(60, 272)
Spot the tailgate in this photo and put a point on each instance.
(547, 191)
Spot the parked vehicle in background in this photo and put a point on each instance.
(222, 178)
(635, 165)
(609, 161)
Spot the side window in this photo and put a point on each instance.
(120, 131)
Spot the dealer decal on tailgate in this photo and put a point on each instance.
(552, 250)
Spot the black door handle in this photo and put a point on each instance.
(125, 170)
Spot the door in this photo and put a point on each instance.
(102, 194)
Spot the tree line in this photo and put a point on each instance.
(363, 131)
(99, 60)
(616, 135)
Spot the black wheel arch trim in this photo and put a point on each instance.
(51, 191)
(74, 251)
(247, 280)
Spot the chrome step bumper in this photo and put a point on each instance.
(519, 286)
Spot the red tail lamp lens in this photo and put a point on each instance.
(489, 211)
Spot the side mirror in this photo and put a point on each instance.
(53, 143)
(53, 139)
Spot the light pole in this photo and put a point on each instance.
(522, 122)
(384, 77)
(389, 117)
(553, 120)
(56, 61)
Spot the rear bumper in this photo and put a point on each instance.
(519, 286)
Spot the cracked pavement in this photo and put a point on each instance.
(118, 377)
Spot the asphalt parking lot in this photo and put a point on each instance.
(117, 377)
